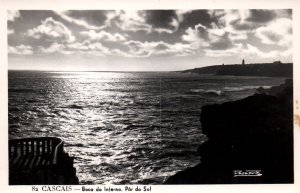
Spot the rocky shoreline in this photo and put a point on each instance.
(251, 137)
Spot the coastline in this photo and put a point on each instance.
(275, 69)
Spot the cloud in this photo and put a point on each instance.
(243, 20)
(153, 33)
(80, 22)
(284, 13)
(12, 15)
(147, 49)
(277, 32)
(181, 14)
(88, 47)
(148, 21)
(137, 48)
(234, 20)
(20, 50)
(97, 49)
(103, 35)
(162, 20)
(261, 15)
(236, 49)
(237, 20)
(270, 26)
(55, 48)
(238, 36)
(128, 21)
(197, 34)
(213, 38)
(190, 35)
(254, 52)
(173, 27)
(52, 29)
(249, 51)
(233, 23)
(189, 18)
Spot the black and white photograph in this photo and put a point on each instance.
(150, 97)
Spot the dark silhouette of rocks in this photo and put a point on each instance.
(254, 133)
(275, 69)
(205, 70)
(277, 90)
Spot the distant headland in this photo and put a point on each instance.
(275, 69)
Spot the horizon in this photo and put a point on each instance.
(118, 71)
(146, 40)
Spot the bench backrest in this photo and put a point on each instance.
(50, 146)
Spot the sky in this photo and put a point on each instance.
(146, 40)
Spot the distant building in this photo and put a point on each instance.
(277, 62)
(243, 62)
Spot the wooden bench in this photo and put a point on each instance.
(40, 161)
(34, 153)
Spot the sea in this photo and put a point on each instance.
(122, 127)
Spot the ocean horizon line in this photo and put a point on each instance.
(116, 71)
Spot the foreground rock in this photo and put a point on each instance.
(255, 133)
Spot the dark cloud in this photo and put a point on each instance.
(161, 46)
(258, 17)
(140, 36)
(240, 25)
(222, 44)
(160, 18)
(216, 42)
(93, 17)
(128, 21)
(261, 15)
(29, 19)
(202, 32)
(134, 45)
(195, 17)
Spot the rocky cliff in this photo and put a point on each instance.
(254, 134)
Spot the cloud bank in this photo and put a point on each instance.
(264, 34)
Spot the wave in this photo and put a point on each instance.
(110, 167)
(97, 128)
(203, 91)
(216, 92)
(74, 106)
(243, 88)
(75, 145)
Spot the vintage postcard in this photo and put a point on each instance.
(160, 96)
